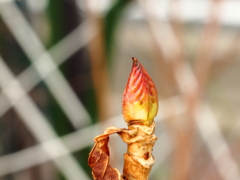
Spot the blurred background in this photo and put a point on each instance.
(64, 65)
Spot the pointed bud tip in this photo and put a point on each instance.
(134, 59)
(140, 102)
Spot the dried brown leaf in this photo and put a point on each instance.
(99, 157)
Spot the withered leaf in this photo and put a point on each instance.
(99, 157)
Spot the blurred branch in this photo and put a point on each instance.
(98, 58)
(36, 155)
(34, 49)
(70, 44)
(175, 20)
(111, 22)
(36, 123)
(205, 53)
(217, 146)
(227, 57)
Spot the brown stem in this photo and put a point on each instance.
(138, 160)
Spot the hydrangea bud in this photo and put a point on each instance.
(140, 101)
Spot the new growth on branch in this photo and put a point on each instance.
(139, 107)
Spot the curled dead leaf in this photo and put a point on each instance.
(99, 157)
